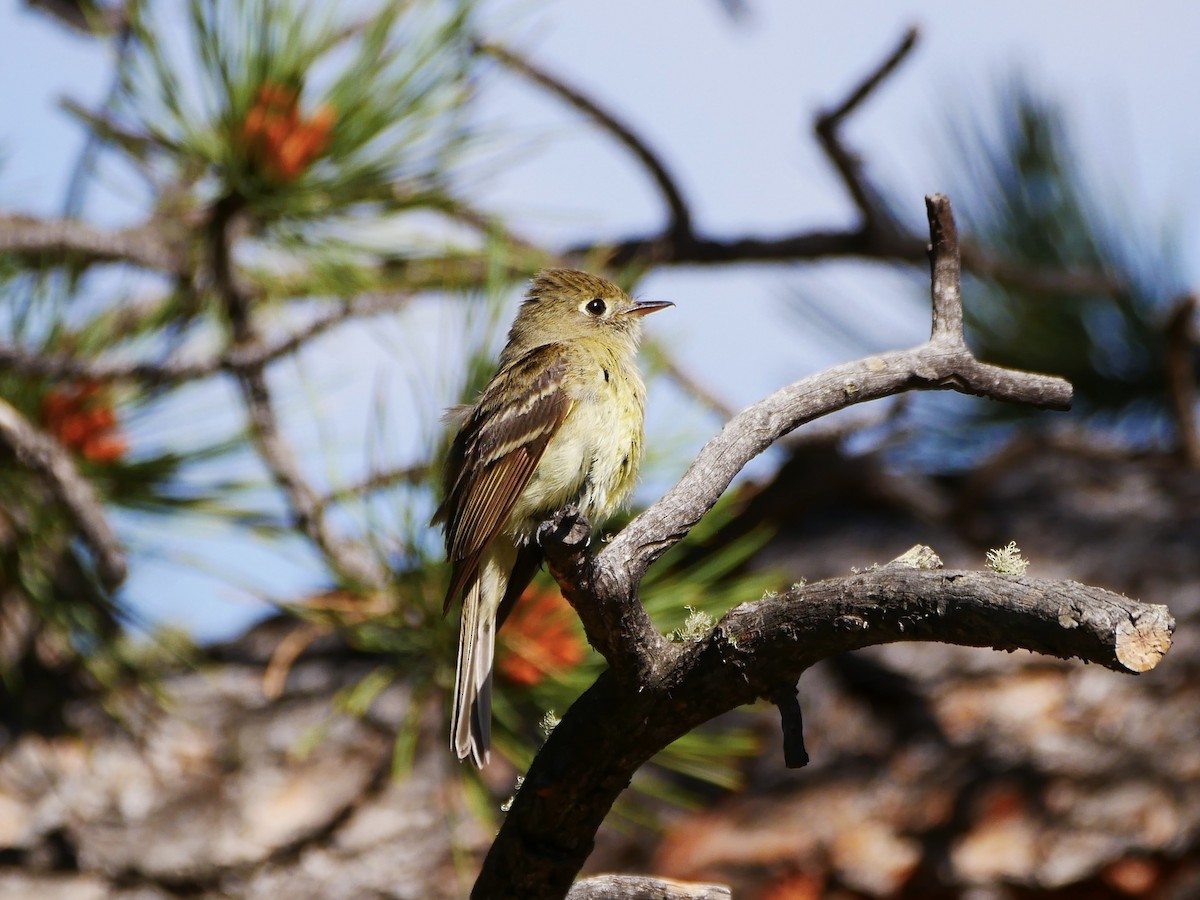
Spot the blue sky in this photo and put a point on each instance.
(729, 106)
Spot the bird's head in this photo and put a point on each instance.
(565, 305)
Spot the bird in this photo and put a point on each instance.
(560, 423)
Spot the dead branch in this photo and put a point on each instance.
(642, 887)
(943, 363)
(657, 690)
(614, 728)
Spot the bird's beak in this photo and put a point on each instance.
(643, 307)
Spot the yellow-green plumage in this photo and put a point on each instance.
(560, 423)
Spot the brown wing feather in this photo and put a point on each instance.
(495, 453)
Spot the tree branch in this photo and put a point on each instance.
(377, 481)
(62, 240)
(945, 273)
(642, 887)
(656, 691)
(679, 225)
(1181, 377)
(613, 729)
(848, 164)
(943, 363)
(876, 238)
(43, 456)
(621, 631)
(257, 352)
(347, 558)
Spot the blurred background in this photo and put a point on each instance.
(251, 249)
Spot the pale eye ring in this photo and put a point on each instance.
(596, 307)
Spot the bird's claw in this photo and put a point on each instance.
(567, 527)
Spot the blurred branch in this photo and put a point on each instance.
(849, 165)
(679, 225)
(1181, 376)
(686, 382)
(348, 559)
(414, 474)
(61, 240)
(877, 238)
(137, 144)
(86, 16)
(656, 691)
(256, 353)
(44, 457)
(1023, 277)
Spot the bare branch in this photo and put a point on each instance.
(945, 270)
(643, 887)
(937, 365)
(63, 240)
(657, 691)
(849, 165)
(664, 250)
(680, 223)
(804, 246)
(614, 728)
(791, 720)
(620, 630)
(43, 456)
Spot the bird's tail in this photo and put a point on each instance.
(471, 725)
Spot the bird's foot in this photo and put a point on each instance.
(566, 527)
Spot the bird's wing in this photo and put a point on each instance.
(495, 453)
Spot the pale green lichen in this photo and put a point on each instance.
(548, 723)
(697, 624)
(1007, 560)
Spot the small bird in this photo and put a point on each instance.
(560, 423)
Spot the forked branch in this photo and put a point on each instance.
(657, 691)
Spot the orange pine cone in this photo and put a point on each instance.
(277, 140)
(73, 430)
(81, 417)
(104, 448)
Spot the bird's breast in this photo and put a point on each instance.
(593, 459)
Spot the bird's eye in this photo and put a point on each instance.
(596, 307)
